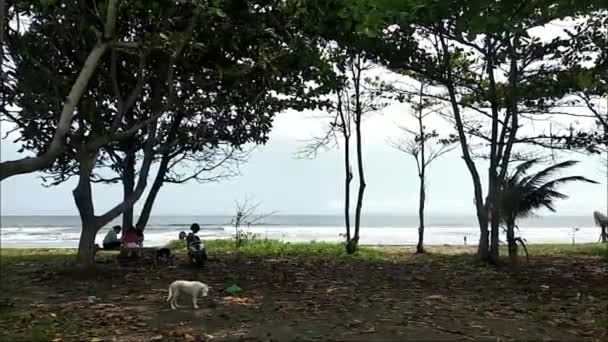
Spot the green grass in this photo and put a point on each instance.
(586, 249)
(263, 247)
(36, 255)
(273, 248)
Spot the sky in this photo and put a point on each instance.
(288, 185)
(282, 183)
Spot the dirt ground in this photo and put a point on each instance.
(416, 298)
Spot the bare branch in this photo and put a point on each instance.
(442, 151)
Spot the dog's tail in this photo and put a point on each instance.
(170, 294)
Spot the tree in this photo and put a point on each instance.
(60, 35)
(229, 94)
(521, 194)
(424, 146)
(246, 214)
(195, 90)
(56, 141)
(100, 120)
(356, 97)
(492, 72)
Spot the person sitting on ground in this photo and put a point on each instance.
(111, 240)
(133, 240)
(196, 249)
(192, 240)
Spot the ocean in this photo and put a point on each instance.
(64, 231)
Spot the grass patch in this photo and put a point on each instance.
(587, 249)
(264, 247)
(273, 248)
(36, 255)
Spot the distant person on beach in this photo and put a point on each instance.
(111, 240)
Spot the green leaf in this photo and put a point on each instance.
(233, 290)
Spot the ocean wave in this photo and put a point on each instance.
(161, 234)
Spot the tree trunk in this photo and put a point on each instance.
(86, 245)
(128, 184)
(512, 243)
(482, 217)
(421, 175)
(494, 239)
(2, 16)
(604, 234)
(483, 248)
(84, 202)
(360, 170)
(154, 190)
(420, 246)
(348, 177)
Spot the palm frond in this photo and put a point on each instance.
(520, 171)
(521, 194)
(542, 175)
(554, 183)
(522, 168)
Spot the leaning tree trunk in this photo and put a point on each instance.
(420, 246)
(146, 211)
(83, 199)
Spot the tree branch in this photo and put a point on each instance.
(31, 164)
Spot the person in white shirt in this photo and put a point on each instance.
(111, 241)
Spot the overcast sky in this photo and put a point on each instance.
(294, 186)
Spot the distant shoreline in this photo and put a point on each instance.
(379, 246)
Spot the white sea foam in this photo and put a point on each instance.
(13, 236)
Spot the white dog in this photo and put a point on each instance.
(193, 288)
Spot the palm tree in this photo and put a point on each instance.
(521, 194)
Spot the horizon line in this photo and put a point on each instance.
(442, 214)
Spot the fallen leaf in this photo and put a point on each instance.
(370, 330)
(189, 338)
(442, 297)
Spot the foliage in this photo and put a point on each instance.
(227, 91)
(522, 194)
